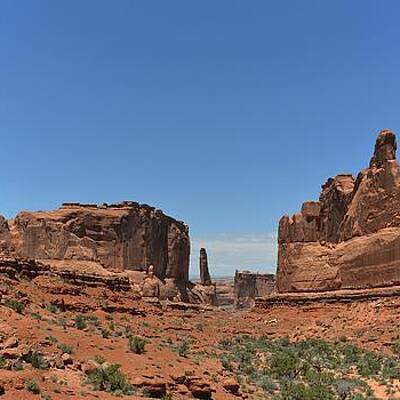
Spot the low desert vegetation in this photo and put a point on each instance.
(80, 322)
(182, 348)
(65, 348)
(32, 386)
(108, 378)
(52, 308)
(137, 344)
(36, 360)
(311, 369)
(15, 305)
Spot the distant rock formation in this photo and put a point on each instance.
(249, 285)
(205, 277)
(350, 238)
(117, 237)
(205, 290)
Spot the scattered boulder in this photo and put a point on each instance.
(67, 359)
(153, 387)
(10, 343)
(199, 388)
(231, 385)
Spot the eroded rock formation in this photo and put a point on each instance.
(350, 238)
(249, 285)
(205, 290)
(205, 277)
(118, 237)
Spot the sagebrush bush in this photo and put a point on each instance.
(65, 348)
(32, 386)
(183, 348)
(80, 322)
(36, 360)
(16, 305)
(137, 344)
(109, 378)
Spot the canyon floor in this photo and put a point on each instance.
(62, 341)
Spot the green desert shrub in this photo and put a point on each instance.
(65, 348)
(32, 386)
(137, 344)
(183, 348)
(109, 378)
(310, 369)
(16, 305)
(36, 360)
(80, 322)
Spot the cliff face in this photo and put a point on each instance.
(125, 236)
(249, 285)
(350, 238)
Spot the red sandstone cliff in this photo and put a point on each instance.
(350, 238)
(125, 236)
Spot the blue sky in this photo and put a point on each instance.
(225, 114)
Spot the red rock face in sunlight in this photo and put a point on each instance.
(350, 238)
(120, 237)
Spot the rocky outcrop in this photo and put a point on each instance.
(205, 277)
(249, 285)
(118, 237)
(20, 268)
(205, 290)
(350, 238)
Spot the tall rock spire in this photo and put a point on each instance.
(385, 148)
(204, 272)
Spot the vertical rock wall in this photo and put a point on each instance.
(119, 237)
(349, 238)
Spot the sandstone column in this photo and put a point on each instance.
(204, 272)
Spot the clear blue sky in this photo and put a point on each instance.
(226, 114)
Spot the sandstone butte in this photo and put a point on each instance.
(350, 238)
(124, 237)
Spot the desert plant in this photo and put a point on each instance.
(32, 386)
(137, 344)
(309, 369)
(109, 378)
(99, 359)
(36, 360)
(80, 322)
(16, 305)
(183, 348)
(52, 308)
(65, 348)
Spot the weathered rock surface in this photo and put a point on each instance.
(249, 285)
(205, 291)
(205, 277)
(350, 238)
(118, 237)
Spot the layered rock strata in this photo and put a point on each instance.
(117, 237)
(350, 238)
(250, 285)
